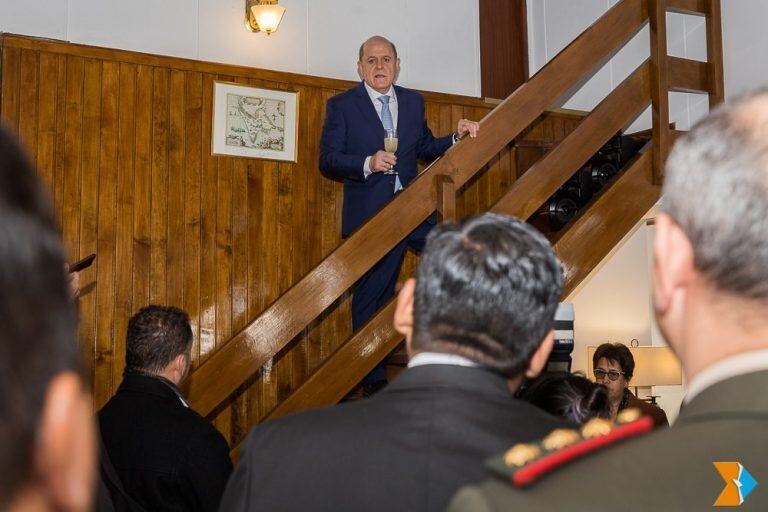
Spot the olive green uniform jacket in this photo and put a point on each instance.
(667, 470)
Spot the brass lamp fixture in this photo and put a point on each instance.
(263, 15)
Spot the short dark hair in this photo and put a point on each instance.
(486, 288)
(568, 395)
(156, 335)
(38, 318)
(372, 38)
(617, 353)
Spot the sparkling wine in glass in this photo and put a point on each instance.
(390, 146)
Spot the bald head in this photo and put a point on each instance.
(378, 65)
(375, 39)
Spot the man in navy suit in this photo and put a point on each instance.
(352, 149)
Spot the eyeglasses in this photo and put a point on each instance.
(602, 374)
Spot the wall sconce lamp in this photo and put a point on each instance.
(263, 15)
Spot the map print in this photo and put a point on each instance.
(254, 122)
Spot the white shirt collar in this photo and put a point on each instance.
(425, 358)
(374, 94)
(740, 364)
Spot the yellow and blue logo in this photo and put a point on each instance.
(738, 484)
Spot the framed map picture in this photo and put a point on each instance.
(254, 123)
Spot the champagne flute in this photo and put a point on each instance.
(390, 146)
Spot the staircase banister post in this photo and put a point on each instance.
(715, 54)
(657, 11)
(445, 188)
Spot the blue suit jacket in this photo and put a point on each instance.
(353, 131)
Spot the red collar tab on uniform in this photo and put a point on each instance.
(524, 463)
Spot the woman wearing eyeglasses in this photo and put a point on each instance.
(613, 366)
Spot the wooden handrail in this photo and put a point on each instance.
(593, 234)
(543, 179)
(231, 365)
(335, 377)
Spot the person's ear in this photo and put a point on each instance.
(65, 452)
(403, 318)
(540, 356)
(673, 263)
(397, 70)
(360, 70)
(180, 367)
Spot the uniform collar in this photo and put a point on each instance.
(740, 364)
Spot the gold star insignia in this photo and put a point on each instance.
(628, 415)
(521, 454)
(560, 438)
(596, 427)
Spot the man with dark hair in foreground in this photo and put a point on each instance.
(47, 435)
(167, 456)
(711, 302)
(477, 320)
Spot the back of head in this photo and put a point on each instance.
(486, 288)
(716, 190)
(156, 335)
(568, 395)
(37, 315)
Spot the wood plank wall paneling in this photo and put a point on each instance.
(123, 144)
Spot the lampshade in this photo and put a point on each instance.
(267, 16)
(654, 366)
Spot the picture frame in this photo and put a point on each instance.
(253, 122)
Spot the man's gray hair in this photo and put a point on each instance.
(716, 190)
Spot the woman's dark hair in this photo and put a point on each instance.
(569, 395)
(617, 353)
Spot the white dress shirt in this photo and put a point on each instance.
(740, 364)
(375, 95)
(425, 358)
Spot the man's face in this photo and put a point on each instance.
(379, 67)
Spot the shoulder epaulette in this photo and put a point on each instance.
(524, 463)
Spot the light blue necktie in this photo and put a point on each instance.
(386, 120)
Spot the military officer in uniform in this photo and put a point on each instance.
(711, 302)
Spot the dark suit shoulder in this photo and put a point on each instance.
(403, 92)
(151, 412)
(345, 95)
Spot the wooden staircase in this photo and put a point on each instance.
(581, 245)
